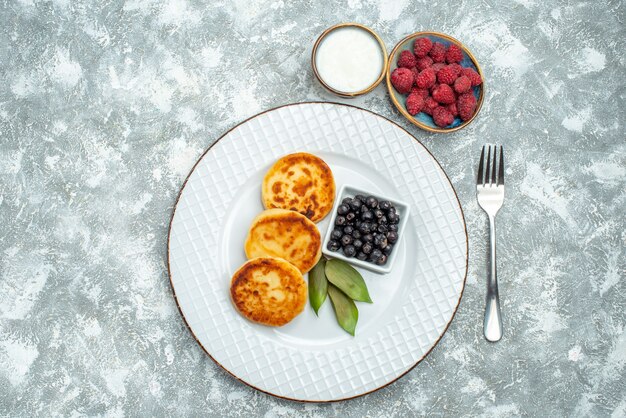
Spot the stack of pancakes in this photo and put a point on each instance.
(283, 242)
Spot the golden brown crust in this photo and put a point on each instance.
(269, 291)
(285, 234)
(300, 182)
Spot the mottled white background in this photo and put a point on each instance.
(106, 105)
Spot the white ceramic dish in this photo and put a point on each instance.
(348, 61)
(351, 191)
(311, 358)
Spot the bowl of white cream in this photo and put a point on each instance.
(349, 59)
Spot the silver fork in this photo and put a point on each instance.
(490, 194)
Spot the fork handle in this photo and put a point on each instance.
(492, 326)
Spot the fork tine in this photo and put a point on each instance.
(488, 167)
(480, 180)
(501, 169)
(495, 161)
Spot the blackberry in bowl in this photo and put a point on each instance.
(365, 229)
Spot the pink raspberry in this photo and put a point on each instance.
(406, 59)
(402, 80)
(426, 79)
(438, 66)
(446, 75)
(414, 103)
(442, 117)
(429, 105)
(444, 94)
(454, 54)
(473, 76)
(421, 47)
(466, 103)
(457, 68)
(438, 52)
(423, 63)
(423, 93)
(462, 84)
(452, 109)
(415, 72)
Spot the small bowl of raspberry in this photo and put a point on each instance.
(435, 82)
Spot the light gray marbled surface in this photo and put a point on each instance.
(106, 105)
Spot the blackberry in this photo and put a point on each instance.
(375, 254)
(356, 204)
(367, 216)
(379, 240)
(365, 228)
(333, 245)
(372, 202)
(381, 260)
(384, 204)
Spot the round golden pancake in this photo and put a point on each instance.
(269, 291)
(300, 182)
(285, 234)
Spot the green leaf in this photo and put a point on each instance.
(347, 279)
(318, 285)
(345, 310)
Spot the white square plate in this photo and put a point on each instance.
(351, 191)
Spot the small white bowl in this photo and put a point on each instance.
(348, 94)
(401, 208)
